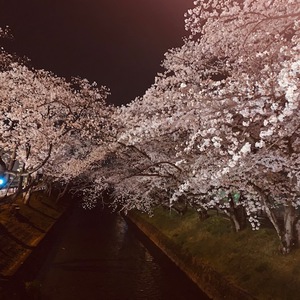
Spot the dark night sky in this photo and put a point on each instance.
(117, 43)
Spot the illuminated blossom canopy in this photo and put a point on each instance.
(46, 121)
(219, 128)
(225, 113)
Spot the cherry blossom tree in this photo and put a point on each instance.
(259, 42)
(218, 129)
(232, 93)
(45, 120)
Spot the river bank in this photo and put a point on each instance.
(224, 264)
(90, 252)
(22, 228)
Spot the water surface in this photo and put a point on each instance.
(98, 257)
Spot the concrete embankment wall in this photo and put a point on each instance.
(208, 280)
(22, 228)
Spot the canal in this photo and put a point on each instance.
(93, 254)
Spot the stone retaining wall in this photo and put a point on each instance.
(208, 280)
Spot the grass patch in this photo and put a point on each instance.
(249, 259)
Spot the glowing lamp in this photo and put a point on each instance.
(2, 182)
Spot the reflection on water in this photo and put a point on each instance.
(96, 256)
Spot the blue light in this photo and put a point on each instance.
(3, 182)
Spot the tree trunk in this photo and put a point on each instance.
(233, 218)
(48, 187)
(287, 233)
(288, 229)
(203, 214)
(271, 216)
(61, 194)
(235, 222)
(297, 232)
(237, 215)
(26, 196)
(28, 189)
(12, 159)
